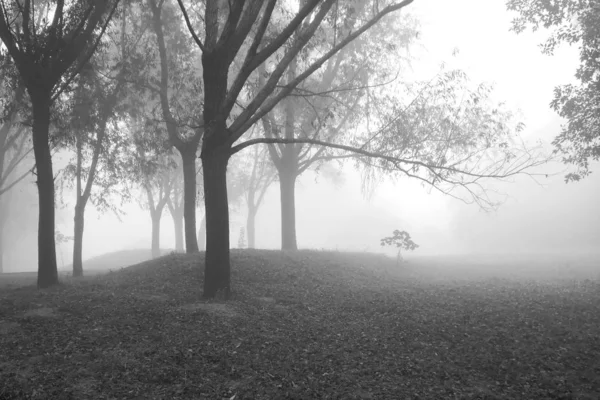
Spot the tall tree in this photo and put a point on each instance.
(261, 33)
(571, 22)
(49, 42)
(152, 168)
(327, 103)
(95, 103)
(272, 32)
(178, 75)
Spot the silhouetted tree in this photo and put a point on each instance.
(252, 33)
(48, 53)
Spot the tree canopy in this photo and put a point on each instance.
(572, 22)
(306, 77)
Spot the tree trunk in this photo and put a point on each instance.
(251, 227)
(47, 268)
(287, 186)
(1, 244)
(4, 205)
(217, 264)
(189, 200)
(156, 235)
(78, 240)
(202, 234)
(178, 224)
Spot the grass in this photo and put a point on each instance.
(306, 325)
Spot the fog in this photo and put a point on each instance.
(544, 216)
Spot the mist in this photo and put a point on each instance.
(538, 215)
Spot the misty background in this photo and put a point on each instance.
(334, 211)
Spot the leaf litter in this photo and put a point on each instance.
(303, 325)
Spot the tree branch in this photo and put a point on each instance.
(516, 167)
(249, 117)
(16, 181)
(189, 25)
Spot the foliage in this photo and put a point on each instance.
(574, 22)
(401, 240)
(15, 146)
(62, 238)
(61, 44)
(447, 132)
(303, 325)
(335, 98)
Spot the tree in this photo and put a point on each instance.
(262, 175)
(48, 53)
(258, 175)
(330, 101)
(176, 206)
(571, 22)
(260, 32)
(178, 76)
(158, 190)
(14, 146)
(402, 241)
(95, 102)
(253, 33)
(153, 169)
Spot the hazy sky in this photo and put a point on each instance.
(330, 217)
(554, 216)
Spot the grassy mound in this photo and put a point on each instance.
(117, 259)
(91, 267)
(305, 325)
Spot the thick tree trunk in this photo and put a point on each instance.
(78, 240)
(189, 200)
(287, 186)
(178, 225)
(202, 234)
(156, 235)
(217, 265)
(47, 268)
(251, 227)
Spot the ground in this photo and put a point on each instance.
(309, 325)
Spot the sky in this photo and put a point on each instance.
(544, 216)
